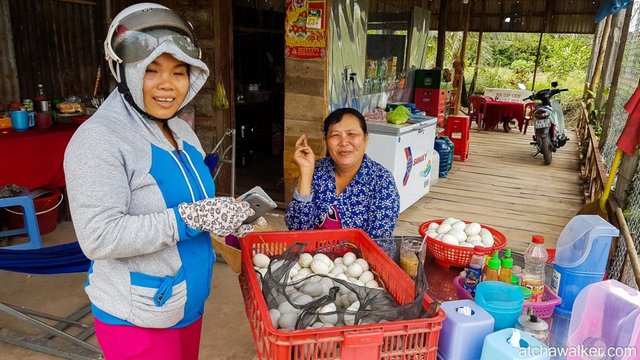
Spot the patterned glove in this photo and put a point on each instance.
(243, 230)
(220, 215)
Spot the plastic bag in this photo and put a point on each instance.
(337, 302)
(399, 115)
(220, 97)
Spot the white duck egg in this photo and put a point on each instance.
(473, 229)
(319, 267)
(348, 258)
(432, 226)
(261, 260)
(459, 225)
(372, 284)
(336, 270)
(305, 260)
(366, 276)
(286, 307)
(474, 238)
(338, 261)
(303, 299)
(487, 241)
(432, 233)
(324, 258)
(449, 239)
(293, 272)
(328, 314)
(305, 271)
(449, 220)
(458, 234)
(287, 321)
(312, 289)
(354, 270)
(363, 264)
(357, 282)
(444, 228)
(466, 244)
(484, 231)
(298, 281)
(274, 314)
(350, 316)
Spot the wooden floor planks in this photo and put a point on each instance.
(502, 185)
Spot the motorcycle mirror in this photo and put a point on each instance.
(554, 84)
(521, 86)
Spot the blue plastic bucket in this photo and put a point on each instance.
(503, 301)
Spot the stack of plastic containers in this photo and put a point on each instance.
(606, 316)
(446, 155)
(581, 257)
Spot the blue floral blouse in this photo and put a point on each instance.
(370, 202)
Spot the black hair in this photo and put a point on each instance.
(337, 115)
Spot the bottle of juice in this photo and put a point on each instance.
(493, 269)
(474, 271)
(535, 259)
(507, 264)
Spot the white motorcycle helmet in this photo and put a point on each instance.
(140, 33)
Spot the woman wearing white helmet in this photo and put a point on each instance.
(141, 197)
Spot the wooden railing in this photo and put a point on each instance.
(594, 175)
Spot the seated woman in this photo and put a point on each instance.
(346, 189)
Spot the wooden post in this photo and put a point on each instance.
(479, 48)
(442, 33)
(478, 53)
(463, 50)
(535, 69)
(628, 168)
(616, 75)
(613, 44)
(595, 79)
(545, 21)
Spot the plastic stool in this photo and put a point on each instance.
(30, 220)
(459, 125)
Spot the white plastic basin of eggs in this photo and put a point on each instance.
(349, 268)
(456, 232)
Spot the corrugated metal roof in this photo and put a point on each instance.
(564, 16)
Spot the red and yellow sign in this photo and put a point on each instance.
(305, 29)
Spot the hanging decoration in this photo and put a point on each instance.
(305, 29)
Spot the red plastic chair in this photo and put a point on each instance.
(528, 115)
(477, 110)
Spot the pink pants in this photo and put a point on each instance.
(119, 342)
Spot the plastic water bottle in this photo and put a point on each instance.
(445, 156)
(535, 259)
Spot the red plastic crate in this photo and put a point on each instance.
(457, 129)
(405, 339)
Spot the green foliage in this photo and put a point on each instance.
(509, 58)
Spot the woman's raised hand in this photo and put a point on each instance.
(303, 156)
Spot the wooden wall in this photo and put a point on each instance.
(305, 107)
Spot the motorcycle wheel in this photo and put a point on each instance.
(546, 150)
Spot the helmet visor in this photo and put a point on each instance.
(139, 34)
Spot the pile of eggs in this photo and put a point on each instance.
(456, 232)
(311, 278)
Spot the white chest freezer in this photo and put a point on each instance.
(406, 151)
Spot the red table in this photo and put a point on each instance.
(33, 158)
(497, 111)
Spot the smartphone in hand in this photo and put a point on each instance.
(259, 201)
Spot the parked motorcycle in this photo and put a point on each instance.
(548, 123)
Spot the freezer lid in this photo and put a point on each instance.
(393, 129)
